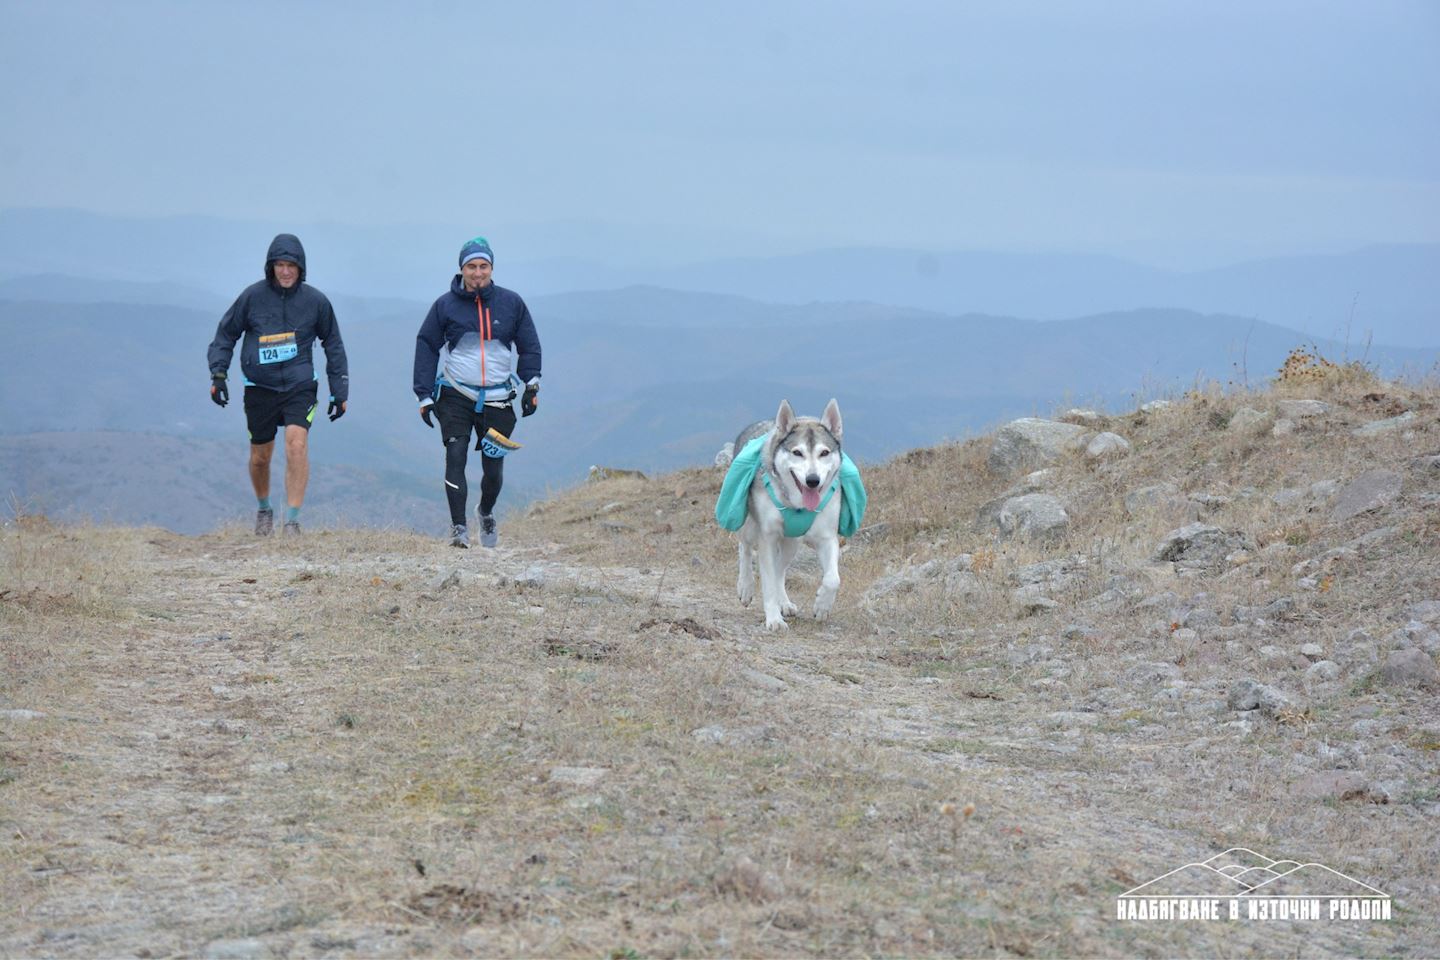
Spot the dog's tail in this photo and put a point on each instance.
(726, 454)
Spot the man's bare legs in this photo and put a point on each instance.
(260, 454)
(297, 466)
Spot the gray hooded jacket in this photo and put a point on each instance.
(280, 328)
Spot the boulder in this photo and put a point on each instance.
(1249, 420)
(1300, 409)
(1200, 545)
(1084, 417)
(1411, 667)
(1034, 517)
(1249, 695)
(1107, 446)
(1377, 427)
(1028, 443)
(1368, 492)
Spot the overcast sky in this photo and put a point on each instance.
(1183, 134)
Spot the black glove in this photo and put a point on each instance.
(529, 399)
(336, 410)
(425, 415)
(219, 392)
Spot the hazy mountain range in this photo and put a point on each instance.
(104, 388)
(1386, 293)
(104, 401)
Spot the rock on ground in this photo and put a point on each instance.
(1368, 492)
(1030, 442)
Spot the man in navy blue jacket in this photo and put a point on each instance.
(477, 343)
(281, 317)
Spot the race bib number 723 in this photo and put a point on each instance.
(277, 347)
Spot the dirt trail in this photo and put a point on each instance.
(195, 790)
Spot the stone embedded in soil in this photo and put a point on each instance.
(1377, 427)
(1030, 442)
(1248, 695)
(248, 949)
(764, 681)
(1107, 446)
(1338, 785)
(1410, 668)
(1368, 492)
(1036, 517)
(1300, 409)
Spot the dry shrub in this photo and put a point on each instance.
(1306, 370)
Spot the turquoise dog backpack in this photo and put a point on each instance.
(734, 501)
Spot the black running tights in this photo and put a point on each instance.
(456, 490)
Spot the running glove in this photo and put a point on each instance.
(219, 392)
(335, 411)
(425, 415)
(529, 400)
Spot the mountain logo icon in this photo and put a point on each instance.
(1242, 884)
(1239, 872)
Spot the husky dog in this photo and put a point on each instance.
(799, 461)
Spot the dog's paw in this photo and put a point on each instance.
(823, 606)
(776, 625)
(788, 609)
(747, 594)
(825, 601)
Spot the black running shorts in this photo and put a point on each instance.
(267, 410)
(458, 416)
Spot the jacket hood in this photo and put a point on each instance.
(285, 246)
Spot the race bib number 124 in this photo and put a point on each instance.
(277, 347)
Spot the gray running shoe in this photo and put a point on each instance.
(488, 536)
(460, 537)
(264, 523)
(292, 528)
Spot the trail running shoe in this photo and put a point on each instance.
(292, 528)
(264, 523)
(460, 537)
(488, 535)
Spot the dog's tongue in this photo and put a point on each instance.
(811, 498)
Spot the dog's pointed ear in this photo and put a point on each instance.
(784, 419)
(831, 418)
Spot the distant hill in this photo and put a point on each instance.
(1384, 293)
(1394, 289)
(638, 378)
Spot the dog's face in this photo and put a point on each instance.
(806, 454)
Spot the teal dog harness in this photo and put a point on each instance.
(733, 504)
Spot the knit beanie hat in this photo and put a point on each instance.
(479, 248)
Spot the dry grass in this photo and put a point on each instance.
(582, 745)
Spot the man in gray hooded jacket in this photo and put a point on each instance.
(281, 317)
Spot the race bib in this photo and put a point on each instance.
(277, 347)
(496, 444)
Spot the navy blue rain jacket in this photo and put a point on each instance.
(456, 314)
(280, 328)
